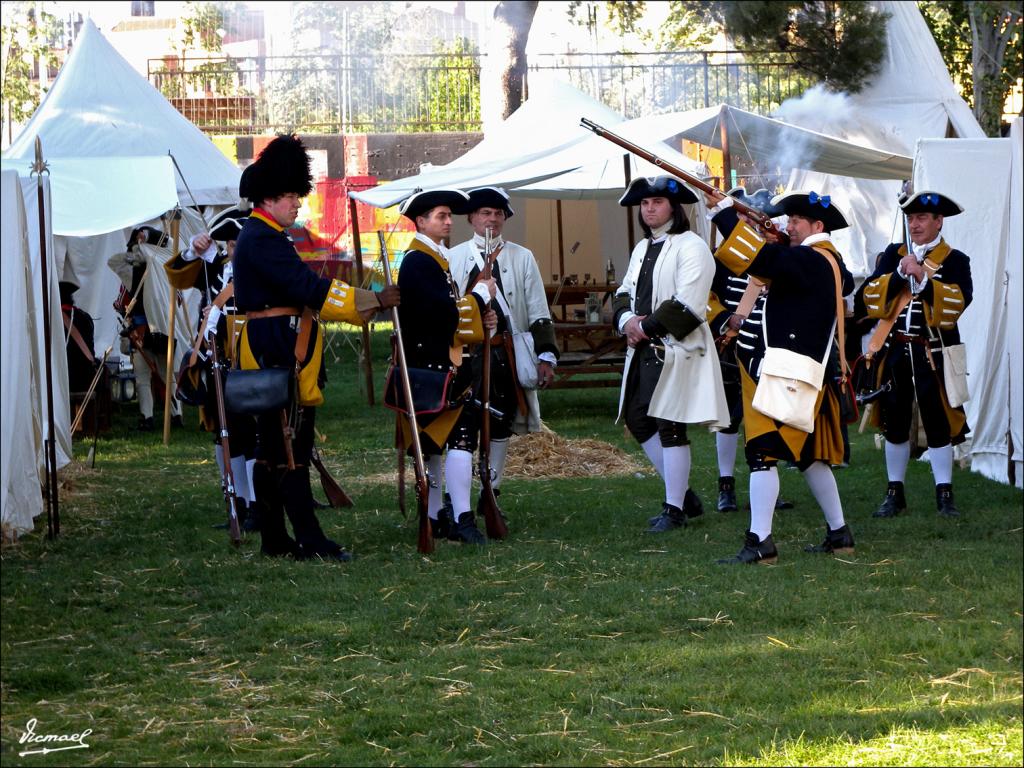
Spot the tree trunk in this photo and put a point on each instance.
(504, 78)
(992, 26)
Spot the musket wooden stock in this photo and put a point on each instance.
(764, 223)
(496, 527)
(425, 542)
(336, 496)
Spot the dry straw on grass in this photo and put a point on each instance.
(546, 455)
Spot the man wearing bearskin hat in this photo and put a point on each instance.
(281, 298)
(437, 322)
(521, 306)
(917, 293)
(672, 376)
(797, 324)
(208, 267)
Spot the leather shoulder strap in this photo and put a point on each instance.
(840, 310)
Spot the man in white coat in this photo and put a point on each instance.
(672, 377)
(523, 311)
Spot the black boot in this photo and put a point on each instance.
(274, 538)
(762, 552)
(727, 494)
(895, 502)
(670, 517)
(692, 505)
(466, 530)
(837, 542)
(944, 500)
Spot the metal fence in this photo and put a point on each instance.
(441, 92)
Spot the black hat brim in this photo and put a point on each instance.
(660, 186)
(489, 197)
(227, 224)
(800, 205)
(944, 206)
(424, 202)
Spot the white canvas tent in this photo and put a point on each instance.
(912, 97)
(987, 177)
(106, 133)
(22, 375)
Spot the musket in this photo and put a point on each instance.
(50, 462)
(336, 495)
(764, 223)
(426, 535)
(230, 500)
(496, 527)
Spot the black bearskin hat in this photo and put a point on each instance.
(281, 168)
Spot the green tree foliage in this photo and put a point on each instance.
(983, 47)
(840, 44)
(452, 89)
(25, 37)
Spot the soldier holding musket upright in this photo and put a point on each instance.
(917, 293)
(521, 306)
(281, 297)
(437, 322)
(792, 337)
(672, 376)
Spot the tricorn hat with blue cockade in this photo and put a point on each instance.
(657, 186)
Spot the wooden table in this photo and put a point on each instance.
(588, 348)
(577, 294)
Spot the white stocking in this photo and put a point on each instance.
(726, 445)
(435, 500)
(652, 447)
(499, 453)
(764, 490)
(677, 474)
(822, 483)
(897, 456)
(458, 477)
(942, 463)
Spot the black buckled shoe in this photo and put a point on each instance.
(944, 500)
(727, 495)
(783, 504)
(760, 551)
(145, 424)
(670, 517)
(692, 505)
(894, 503)
(466, 530)
(837, 542)
(325, 549)
(280, 547)
(441, 528)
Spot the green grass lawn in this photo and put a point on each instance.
(580, 640)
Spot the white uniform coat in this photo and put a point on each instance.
(523, 289)
(690, 387)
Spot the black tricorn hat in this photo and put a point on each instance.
(931, 202)
(227, 224)
(489, 197)
(811, 205)
(423, 201)
(153, 237)
(657, 186)
(761, 200)
(282, 167)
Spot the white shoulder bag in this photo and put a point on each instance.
(788, 387)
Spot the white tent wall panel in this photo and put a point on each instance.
(977, 173)
(58, 357)
(1015, 298)
(20, 428)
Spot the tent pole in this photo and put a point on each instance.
(561, 248)
(726, 154)
(627, 174)
(169, 368)
(50, 452)
(357, 250)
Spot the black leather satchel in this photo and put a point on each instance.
(430, 389)
(257, 391)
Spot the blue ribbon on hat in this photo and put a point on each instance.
(814, 199)
(929, 199)
(672, 186)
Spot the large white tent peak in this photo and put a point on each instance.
(99, 106)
